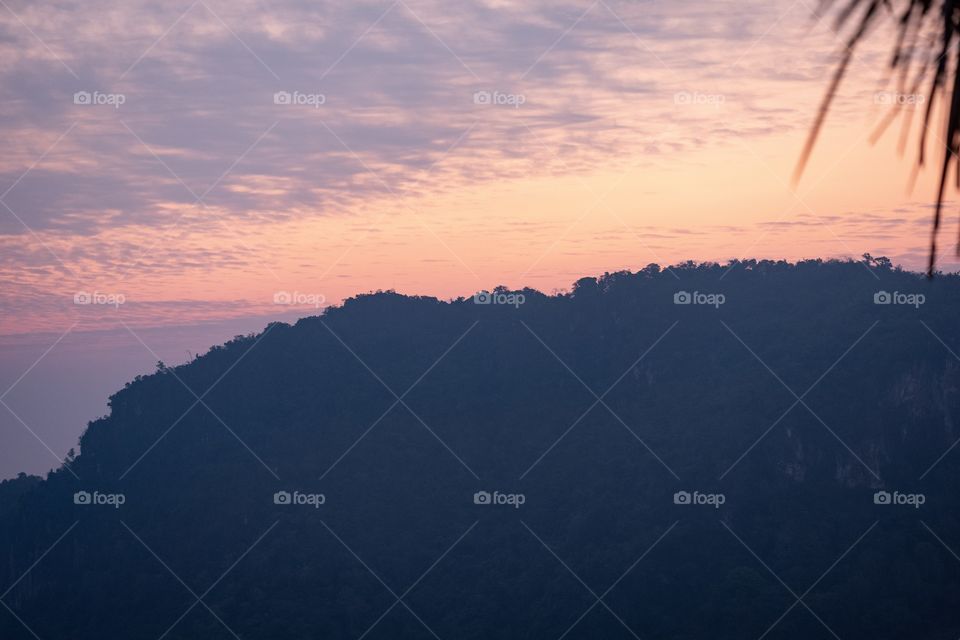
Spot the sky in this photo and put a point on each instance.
(177, 173)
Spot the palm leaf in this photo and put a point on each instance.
(925, 49)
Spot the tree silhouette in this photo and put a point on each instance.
(683, 389)
(924, 56)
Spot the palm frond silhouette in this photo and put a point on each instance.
(925, 58)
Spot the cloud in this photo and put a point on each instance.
(189, 157)
(398, 82)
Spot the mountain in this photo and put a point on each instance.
(764, 449)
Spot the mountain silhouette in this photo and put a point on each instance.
(762, 449)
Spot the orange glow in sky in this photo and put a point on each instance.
(203, 170)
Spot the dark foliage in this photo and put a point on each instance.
(299, 398)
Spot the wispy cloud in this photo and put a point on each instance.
(211, 124)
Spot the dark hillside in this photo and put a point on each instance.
(785, 407)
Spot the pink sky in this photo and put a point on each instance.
(436, 149)
(627, 133)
